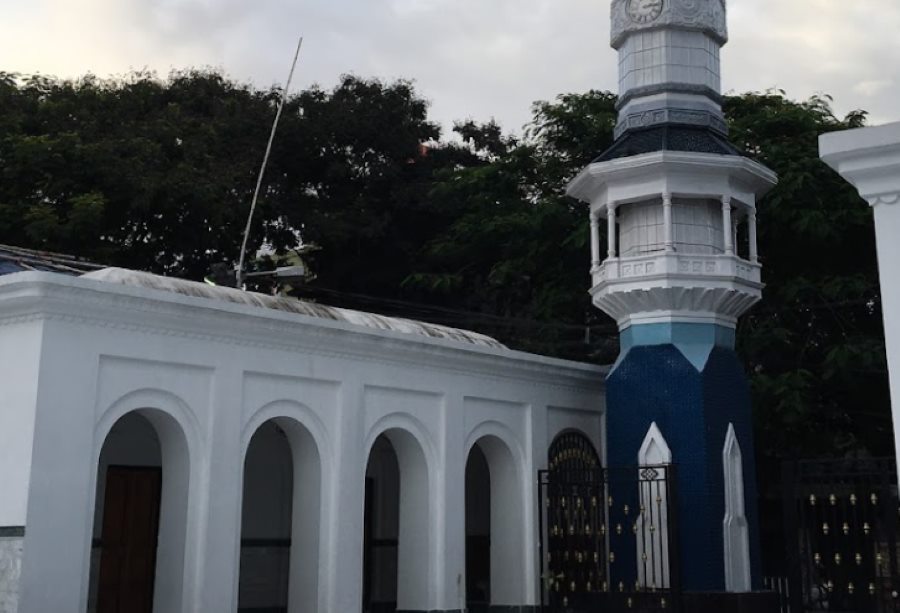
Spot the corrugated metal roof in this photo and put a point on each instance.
(19, 259)
(147, 280)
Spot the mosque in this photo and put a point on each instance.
(171, 447)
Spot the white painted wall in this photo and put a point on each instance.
(20, 355)
(657, 57)
(696, 227)
(207, 375)
(735, 529)
(869, 158)
(887, 232)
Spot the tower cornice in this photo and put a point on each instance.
(707, 16)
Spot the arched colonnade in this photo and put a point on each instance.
(148, 470)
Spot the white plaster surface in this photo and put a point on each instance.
(11, 550)
(869, 158)
(736, 530)
(887, 232)
(207, 374)
(669, 56)
(696, 228)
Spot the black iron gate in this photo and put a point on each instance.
(841, 522)
(607, 538)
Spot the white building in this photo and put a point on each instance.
(869, 158)
(283, 455)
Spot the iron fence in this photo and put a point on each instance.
(607, 539)
(841, 525)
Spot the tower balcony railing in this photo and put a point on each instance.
(669, 263)
(675, 265)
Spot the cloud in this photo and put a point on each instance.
(470, 58)
(872, 88)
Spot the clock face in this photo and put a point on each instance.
(644, 11)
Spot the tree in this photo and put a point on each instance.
(815, 346)
(134, 172)
(517, 246)
(158, 175)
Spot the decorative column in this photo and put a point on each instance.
(611, 230)
(595, 241)
(751, 230)
(726, 225)
(667, 222)
(735, 222)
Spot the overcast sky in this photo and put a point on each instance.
(469, 58)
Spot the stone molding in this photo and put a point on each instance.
(708, 16)
(886, 199)
(648, 175)
(683, 298)
(697, 266)
(670, 87)
(868, 158)
(37, 297)
(692, 117)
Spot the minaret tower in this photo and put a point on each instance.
(681, 266)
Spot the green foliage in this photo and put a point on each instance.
(158, 175)
(815, 345)
(516, 245)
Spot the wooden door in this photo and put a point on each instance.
(128, 540)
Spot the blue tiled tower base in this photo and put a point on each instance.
(688, 379)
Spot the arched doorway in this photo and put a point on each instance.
(573, 507)
(495, 534)
(140, 516)
(396, 540)
(280, 520)
(478, 532)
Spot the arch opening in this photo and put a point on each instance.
(574, 522)
(495, 533)
(140, 516)
(396, 536)
(280, 519)
(653, 545)
(478, 532)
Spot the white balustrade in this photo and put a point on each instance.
(722, 267)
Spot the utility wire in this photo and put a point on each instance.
(457, 314)
(265, 162)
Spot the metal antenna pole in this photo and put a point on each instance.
(262, 170)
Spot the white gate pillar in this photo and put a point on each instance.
(343, 531)
(58, 545)
(869, 158)
(20, 353)
(218, 565)
(449, 522)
